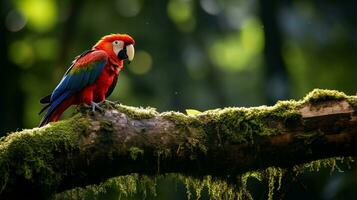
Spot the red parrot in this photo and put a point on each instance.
(91, 77)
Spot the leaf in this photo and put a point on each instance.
(193, 112)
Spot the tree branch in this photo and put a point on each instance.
(91, 147)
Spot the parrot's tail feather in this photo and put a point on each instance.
(44, 108)
(56, 108)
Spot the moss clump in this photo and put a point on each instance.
(236, 125)
(243, 124)
(180, 118)
(274, 176)
(135, 152)
(318, 95)
(137, 113)
(193, 128)
(145, 186)
(30, 154)
(352, 100)
(119, 187)
(140, 187)
(332, 163)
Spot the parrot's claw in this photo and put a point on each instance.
(109, 104)
(95, 105)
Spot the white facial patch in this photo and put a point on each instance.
(117, 46)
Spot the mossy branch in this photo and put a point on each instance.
(91, 147)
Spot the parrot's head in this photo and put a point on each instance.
(118, 46)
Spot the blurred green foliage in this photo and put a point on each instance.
(190, 54)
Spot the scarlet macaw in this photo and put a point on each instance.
(91, 77)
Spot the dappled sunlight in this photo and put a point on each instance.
(238, 50)
(46, 48)
(194, 59)
(128, 8)
(15, 21)
(181, 12)
(122, 91)
(41, 14)
(297, 65)
(212, 7)
(142, 63)
(22, 53)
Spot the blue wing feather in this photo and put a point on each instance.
(74, 81)
(85, 79)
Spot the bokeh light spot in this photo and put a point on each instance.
(212, 7)
(21, 53)
(15, 21)
(194, 61)
(122, 89)
(41, 14)
(180, 10)
(128, 8)
(142, 63)
(252, 36)
(181, 13)
(236, 51)
(46, 48)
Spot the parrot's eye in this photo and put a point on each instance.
(117, 46)
(118, 43)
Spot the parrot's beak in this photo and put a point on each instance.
(130, 51)
(127, 53)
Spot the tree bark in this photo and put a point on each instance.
(91, 147)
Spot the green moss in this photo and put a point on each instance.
(243, 124)
(135, 152)
(352, 100)
(219, 188)
(178, 118)
(318, 95)
(332, 163)
(195, 135)
(106, 131)
(137, 113)
(235, 125)
(143, 186)
(274, 176)
(120, 187)
(216, 188)
(31, 153)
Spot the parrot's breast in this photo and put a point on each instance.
(102, 84)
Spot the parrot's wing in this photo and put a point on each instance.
(84, 70)
(47, 99)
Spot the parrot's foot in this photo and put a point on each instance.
(109, 104)
(95, 105)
